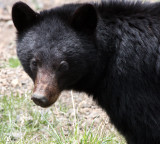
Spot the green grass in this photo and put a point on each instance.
(22, 122)
(14, 62)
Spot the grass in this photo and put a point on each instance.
(22, 122)
(13, 62)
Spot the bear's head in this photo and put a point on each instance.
(57, 48)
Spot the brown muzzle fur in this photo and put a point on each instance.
(46, 90)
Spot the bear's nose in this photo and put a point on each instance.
(40, 100)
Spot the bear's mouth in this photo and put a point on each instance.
(46, 91)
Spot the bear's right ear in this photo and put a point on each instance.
(85, 18)
(23, 16)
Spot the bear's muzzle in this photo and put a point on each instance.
(46, 90)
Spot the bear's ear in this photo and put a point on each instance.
(23, 16)
(84, 18)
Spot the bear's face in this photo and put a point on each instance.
(55, 53)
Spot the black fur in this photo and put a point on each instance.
(115, 57)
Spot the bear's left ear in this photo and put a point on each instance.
(23, 16)
(84, 18)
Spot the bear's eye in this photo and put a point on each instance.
(63, 66)
(34, 64)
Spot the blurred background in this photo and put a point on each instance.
(73, 119)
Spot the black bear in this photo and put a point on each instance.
(110, 50)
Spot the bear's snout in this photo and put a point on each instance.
(46, 90)
(40, 100)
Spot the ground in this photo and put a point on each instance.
(70, 110)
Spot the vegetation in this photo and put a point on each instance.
(14, 62)
(22, 122)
